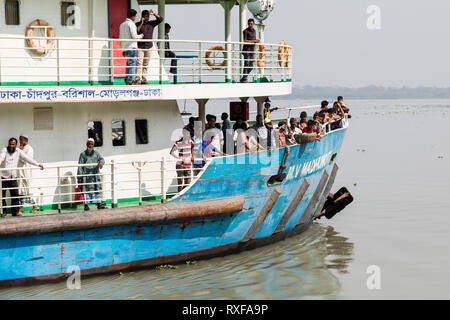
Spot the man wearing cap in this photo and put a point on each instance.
(9, 159)
(89, 176)
(25, 175)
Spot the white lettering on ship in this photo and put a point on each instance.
(309, 167)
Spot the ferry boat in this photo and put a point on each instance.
(62, 81)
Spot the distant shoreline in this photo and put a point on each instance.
(370, 92)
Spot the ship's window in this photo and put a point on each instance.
(67, 13)
(12, 16)
(43, 118)
(95, 131)
(118, 133)
(141, 131)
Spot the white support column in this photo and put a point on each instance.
(261, 28)
(227, 6)
(242, 26)
(161, 36)
(242, 18)
(202, 111)
(260, 105)
(91, 45)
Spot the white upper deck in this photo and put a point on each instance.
(73, 54)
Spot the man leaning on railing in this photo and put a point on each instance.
(89, 176)
(9, 159)
(249, 35)
(183, 149)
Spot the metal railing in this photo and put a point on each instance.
(58, 187)
(101, 61)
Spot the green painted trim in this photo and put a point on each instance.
(115, 83)
(70, 206)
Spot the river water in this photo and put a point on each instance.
(396, 163)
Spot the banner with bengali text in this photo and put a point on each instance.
(79, 94)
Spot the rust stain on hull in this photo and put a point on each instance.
(120, 216)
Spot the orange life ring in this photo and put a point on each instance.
(261, 60)
(40, 50)
(216, 66)
(283, 54)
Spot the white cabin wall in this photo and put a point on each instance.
(43, 68)
(68, 138)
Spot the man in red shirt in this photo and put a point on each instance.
(310, 128)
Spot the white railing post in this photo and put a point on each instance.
(90, 61)
(162, 53)
(200, 62)
(271, 64)
(139, 169)
(163, 187)
(41, 201)
(58, 57)
(111, 61)
(113, 186)
(1, 193)
(58, 170)
(233, 48)
(228, 62)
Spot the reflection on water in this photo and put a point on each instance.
(297, 268)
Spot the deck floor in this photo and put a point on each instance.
(80, 208)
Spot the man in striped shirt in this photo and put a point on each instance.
(183, 149)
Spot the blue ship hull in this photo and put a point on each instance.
(269, 213)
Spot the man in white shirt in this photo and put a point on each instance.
(24, 175)
(128, 30)
(9, 159)
(267, 136)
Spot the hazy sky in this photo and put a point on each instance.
(333, 45)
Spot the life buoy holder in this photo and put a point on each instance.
(283, 54)
(40, 50)
(215, 66)
(261, 59)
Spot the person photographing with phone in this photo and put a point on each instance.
(145, 27)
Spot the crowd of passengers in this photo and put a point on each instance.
(195, 147)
